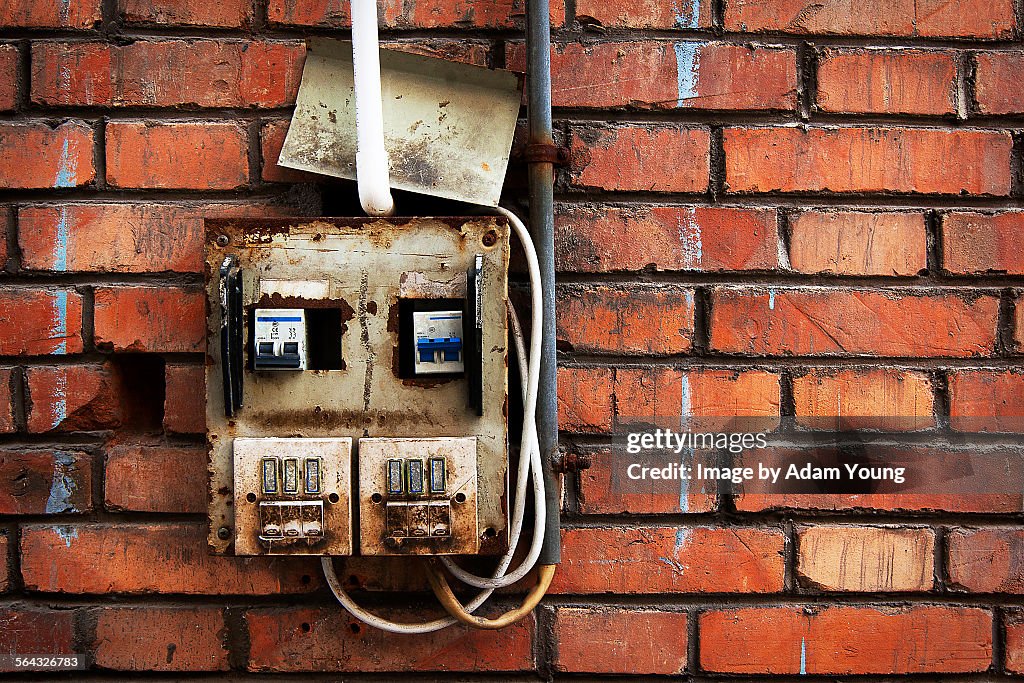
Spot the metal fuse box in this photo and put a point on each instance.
(366, 292)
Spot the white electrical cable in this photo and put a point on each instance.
(372, 173)
(529, 464)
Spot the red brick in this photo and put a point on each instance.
(831, 322)
(182, 413)
(975, 243)
(5, 579)
(997, 83)
(662, 75)
(150, 558)
(1018, 330)
(641, 158)
(6, 221)
(887, 82)
(32, 14)
(228, 14)
(34, 155)
(932, 18)
(604, 491)
(45, 482)
(271, 141)
(620, 641)
(631, 320)
(154, 319)
(873, 559)
(183, 155)
(645, 14)
(585, 399)
(951, 481)
(309, 639)
(986, 400)
(9, 59)
(71, 398)
(28, 630)
(40, 321)
(161, 639)
(423, 14)
(670, 560)
(124, 238)
(207, 73)
(986, 560)
(175, 478)
(1015, 642)
(703, 238)
(846, 640)
(707, 393)
(7, 423)
(858, 243)
(906, 160)
(876, 398)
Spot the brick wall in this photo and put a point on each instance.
(780, 205)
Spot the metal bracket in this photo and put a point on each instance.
(543, 153)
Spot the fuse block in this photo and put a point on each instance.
(438, 340)
(279, 342)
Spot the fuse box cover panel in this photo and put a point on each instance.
(362, 267)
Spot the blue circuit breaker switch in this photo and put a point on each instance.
(439, 342)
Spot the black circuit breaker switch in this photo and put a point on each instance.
(280, 339)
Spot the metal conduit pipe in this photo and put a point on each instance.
(542, 229)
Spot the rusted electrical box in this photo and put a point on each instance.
(356, 386)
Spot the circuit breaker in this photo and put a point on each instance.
(357, 386)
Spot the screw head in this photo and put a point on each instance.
(223, 533)
(490, 238)
(223, 240)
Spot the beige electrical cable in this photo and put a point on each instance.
(438, 581)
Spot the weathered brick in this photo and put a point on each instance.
(227, 14)
(670, 560)
(997, 82)
(887, 82)
(40, 321)
(7, 421)
(706, 393)
(73, 14)
(71, 398)
(858, 243)
(423, 14)
(605, 491)
(30, 630)
(153, 319)
(620, 641)
(183, 414)
(108, 558)
(830, 322)
(271, 141)
(1018, 325)
(106, 237)
(976, 243)
(646, 14)
(641, 158)
(932, 18)
(175, 478)
(585, 399)
(5, 579)
(45, 482)
(206, 73)
(34, 155)
(161, 639)
(182, 155)
(872, 159)
(986, 560)
(664, 75)
(9, 59)
(877, 398)
(846, 640)
(1015, 641)
(986, 400)
(701, 238)
(309, 639)
(633, 320)
(881, 559)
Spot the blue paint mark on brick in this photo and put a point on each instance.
(59, 326)
(691, 241)
(771, 299)
(65, 12)
(684, 484)
(689, 18)
(66, 533)
(803, 656)
(60, 401)
(67, 167)
(687, 70)
(60, 244)
(63, 485)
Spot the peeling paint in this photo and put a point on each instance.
(60, 244)
(687, 71)
(67, 167)
(771, 299)
(690, 18)
(803, 656)
(67, 533)
(690, 239)
(59, 323)
(63, 485)
(59, 405)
